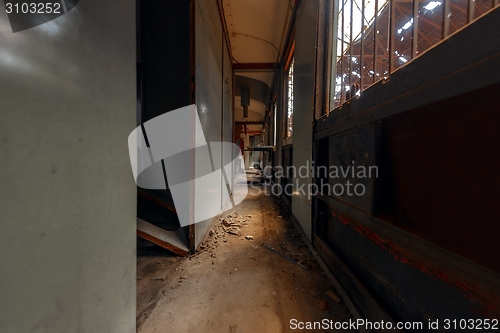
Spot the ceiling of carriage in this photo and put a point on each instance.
(257, 31)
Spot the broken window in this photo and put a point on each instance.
(373, 38)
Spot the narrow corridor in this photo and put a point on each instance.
(374, 123)
(236, 283)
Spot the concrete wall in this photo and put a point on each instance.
(67, 195)
(422, 239)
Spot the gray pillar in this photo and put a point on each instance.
(67, 194)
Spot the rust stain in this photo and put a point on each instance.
(489, 304)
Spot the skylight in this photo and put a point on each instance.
(432, 5)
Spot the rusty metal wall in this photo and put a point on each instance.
(67, 192)
(423, 238)
(453, 200)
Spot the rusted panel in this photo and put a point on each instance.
(431, 249)
(442, 181)
(353, 167)
(366, 304)
(164, 238)
(385, 258)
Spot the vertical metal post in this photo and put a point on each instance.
(328, 59)
(392, 6)
(362, 56)
(446, 18)
(334, 28)
(375, 41)
(472, 8)
(342, 59)
(351, 47)
(414, 41)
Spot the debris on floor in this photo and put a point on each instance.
(233, 223)
(323, 305)
(243, 283)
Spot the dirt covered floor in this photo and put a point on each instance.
(237, 282)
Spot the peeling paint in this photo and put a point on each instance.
(489, 303)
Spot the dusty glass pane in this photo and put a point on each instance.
(382, 42)
(357, 26)
(481, 7)
(430, 24)
(458, 14)
(402, 34)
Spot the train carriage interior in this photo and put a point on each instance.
(297, 165)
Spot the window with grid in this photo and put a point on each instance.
(373, 38)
